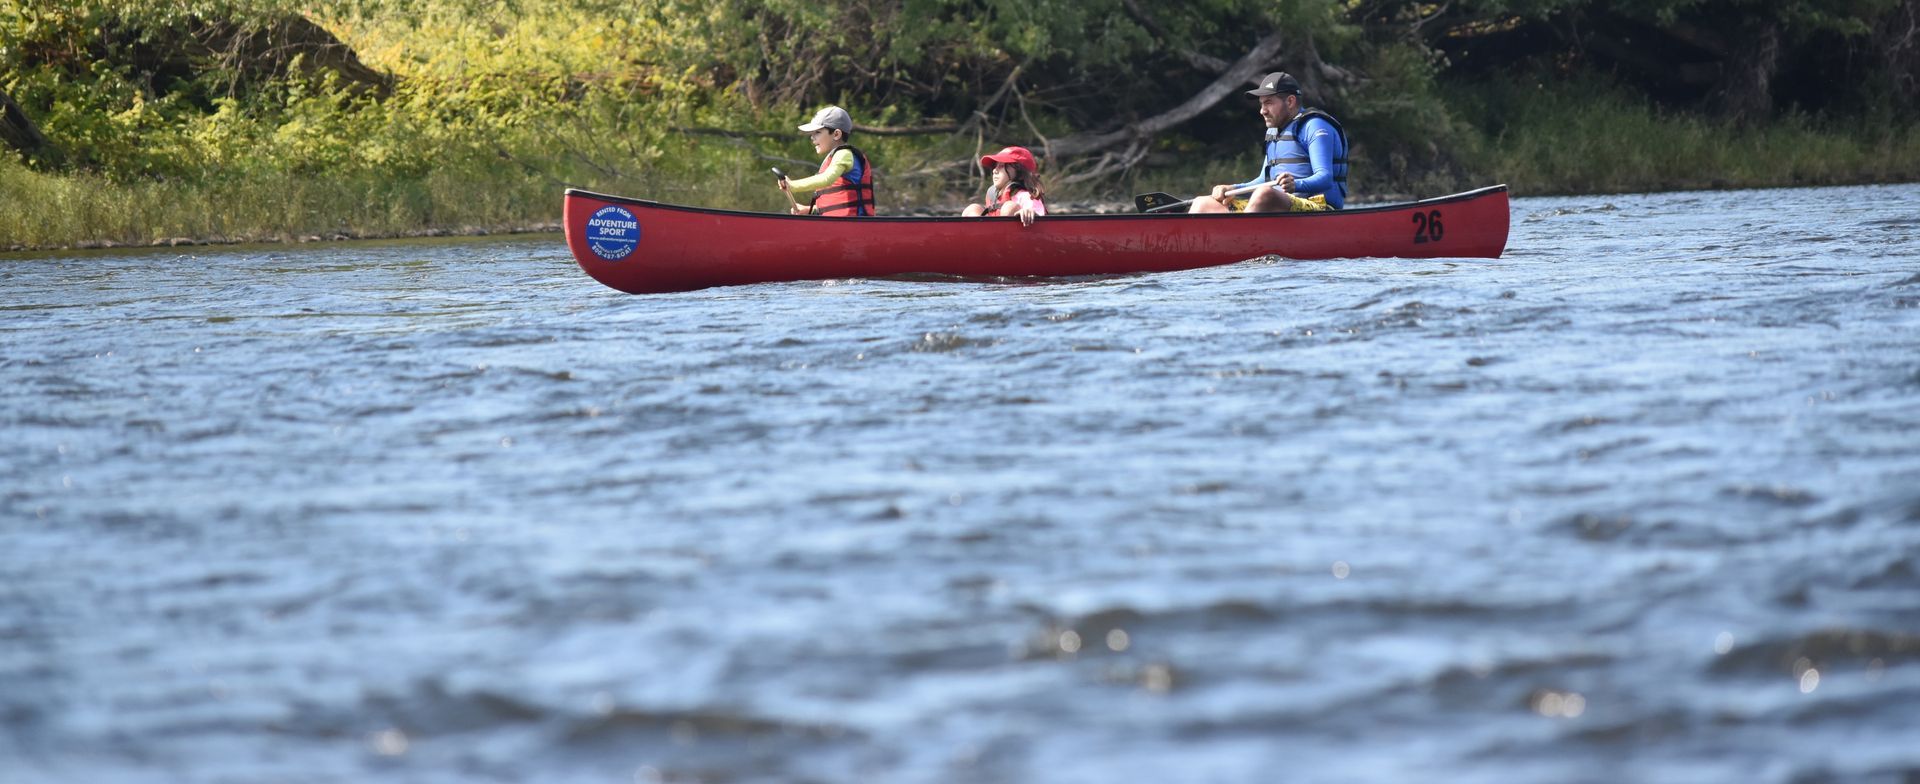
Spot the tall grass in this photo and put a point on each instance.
(1590, 138)
(86, 210)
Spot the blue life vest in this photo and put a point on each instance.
(1285, 152)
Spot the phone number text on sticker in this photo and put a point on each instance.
(612, 233)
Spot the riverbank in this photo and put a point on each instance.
(144, 122)
(91, 238)
(552, 227)
(1567, 141)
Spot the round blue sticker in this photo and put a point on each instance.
(612, 233)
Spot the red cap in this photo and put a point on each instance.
(1019, 155)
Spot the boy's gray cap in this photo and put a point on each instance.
(830, 117)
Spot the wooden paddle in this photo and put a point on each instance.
(1163, 202)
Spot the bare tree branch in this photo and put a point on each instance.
(1423, 21)
(935, 169)
(1203, 62)
(1242, 72)
(1318, 78)
(1108, 163)
(1009, 85)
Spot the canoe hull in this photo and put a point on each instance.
(645, 247)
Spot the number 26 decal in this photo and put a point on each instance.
(1426, 227)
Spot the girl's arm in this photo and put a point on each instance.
(1023, 207)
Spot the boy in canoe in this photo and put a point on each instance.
(1016, 189)
(843, 188)
(1305, 157)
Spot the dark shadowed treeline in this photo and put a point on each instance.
(275, 118)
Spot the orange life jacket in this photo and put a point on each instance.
(850, 196)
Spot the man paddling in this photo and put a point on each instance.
(1305, 157)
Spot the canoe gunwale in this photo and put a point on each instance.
(1371, 208)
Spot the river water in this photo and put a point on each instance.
(1639, 501)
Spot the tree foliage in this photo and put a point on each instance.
(208, 88)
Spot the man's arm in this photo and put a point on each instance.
(1323, 146)
(1259, 176)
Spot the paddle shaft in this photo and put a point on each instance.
(780, 176)
(1235, 192)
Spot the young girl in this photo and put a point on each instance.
(1016, 189)
(843, 188)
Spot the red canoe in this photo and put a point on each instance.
(645, 247)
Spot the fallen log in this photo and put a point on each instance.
(289, 45)
(20, 133)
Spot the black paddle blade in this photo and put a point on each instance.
(1148, 202)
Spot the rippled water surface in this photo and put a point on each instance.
(1638, 502)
